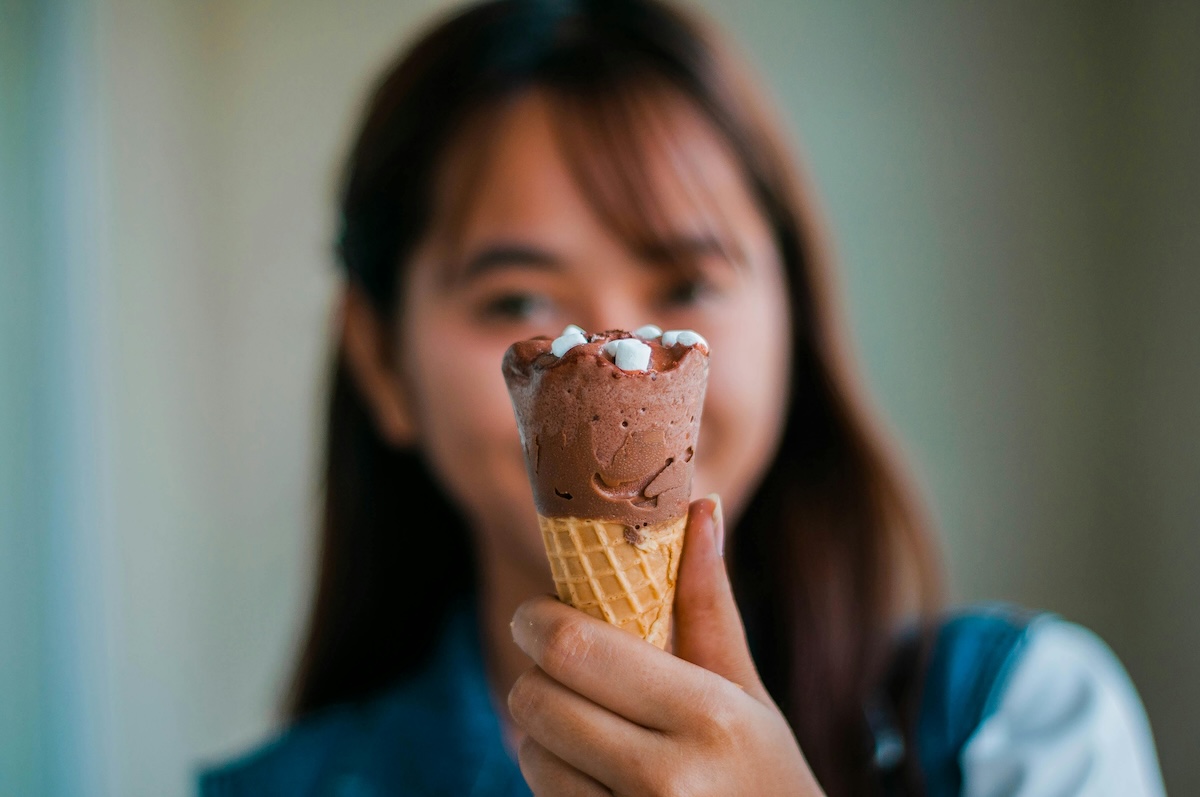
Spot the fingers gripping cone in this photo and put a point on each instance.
(609, 424)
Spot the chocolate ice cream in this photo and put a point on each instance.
(609, 424)
(605, 442)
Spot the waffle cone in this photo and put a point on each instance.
(616, 573)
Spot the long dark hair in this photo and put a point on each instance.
(833, 536)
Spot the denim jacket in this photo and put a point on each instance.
(438, 733)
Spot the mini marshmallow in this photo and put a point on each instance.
(564, 343)
(684, 337)
(632, 355)
(648, 332)
(610, 348)
(569, 328)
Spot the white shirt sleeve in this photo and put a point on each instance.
(1068, 723)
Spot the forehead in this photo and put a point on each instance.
(644, 167)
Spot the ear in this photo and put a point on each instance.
(367, 347)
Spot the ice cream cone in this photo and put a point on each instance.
(614, 573)
(609, 423)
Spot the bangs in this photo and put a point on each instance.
(636, 149)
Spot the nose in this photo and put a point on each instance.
(614, 308)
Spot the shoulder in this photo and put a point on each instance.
(1062, 716)
(1021, 702)
(974, 649)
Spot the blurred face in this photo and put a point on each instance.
(528, 254)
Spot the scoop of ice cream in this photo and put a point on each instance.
(609, 421)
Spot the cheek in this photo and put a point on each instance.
(745, 404)
(465, 421)
(462, 402)
(745, 389)
(751, 352)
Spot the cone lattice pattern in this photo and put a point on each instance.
(616, 573)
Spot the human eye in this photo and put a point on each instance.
(515, 306)
(688, 292)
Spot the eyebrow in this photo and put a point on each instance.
(678, 247)
(498, 256)
(671, 249)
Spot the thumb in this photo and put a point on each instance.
(708, 626)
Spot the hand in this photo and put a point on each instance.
(606, 713)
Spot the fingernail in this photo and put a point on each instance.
(718, 517)
(522, 633)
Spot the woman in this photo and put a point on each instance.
(607, 163)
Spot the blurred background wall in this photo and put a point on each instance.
(1014, 189)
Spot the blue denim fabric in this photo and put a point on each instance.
(975, 653)
(438, 734)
